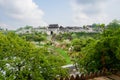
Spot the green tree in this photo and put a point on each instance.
(103, 53)
(21, 60)
(28, 27)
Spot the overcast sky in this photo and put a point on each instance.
(19, 13)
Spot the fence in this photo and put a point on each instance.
(85, 76)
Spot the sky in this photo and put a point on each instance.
(19, 13)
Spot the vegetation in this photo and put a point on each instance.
(37, 37)
(21, 60)
(103, 53)
(64, 54)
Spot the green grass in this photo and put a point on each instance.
(64, 54)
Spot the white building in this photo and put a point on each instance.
(53, 29)
(56, 29)
(24, 31)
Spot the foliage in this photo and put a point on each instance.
(64, 54)
(37, 37)
(73, 35)
(98, 27)
(103, 53)
(62, 36)
(21, 60)
(78, 44)
(115, 24)
(26, 27)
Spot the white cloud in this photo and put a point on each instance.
(94, 11)
(24, 12)
(88, 1)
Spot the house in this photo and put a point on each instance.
(88, 28)
(56, 29)
(53, 29)
(62, 29)
(74, 29)
(24, 31)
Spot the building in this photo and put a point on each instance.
(56, 29)
(53, 29)
(74, 29)
(24, 31)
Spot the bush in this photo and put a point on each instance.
(21, 60)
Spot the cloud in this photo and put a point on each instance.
(24, 12)
(89, 11)
(88, 1)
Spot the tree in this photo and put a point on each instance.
(37, 37)
(98, 27)
(21, 60)
(115, 24)
(28, 27)
(78, 44)
(104, 53)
